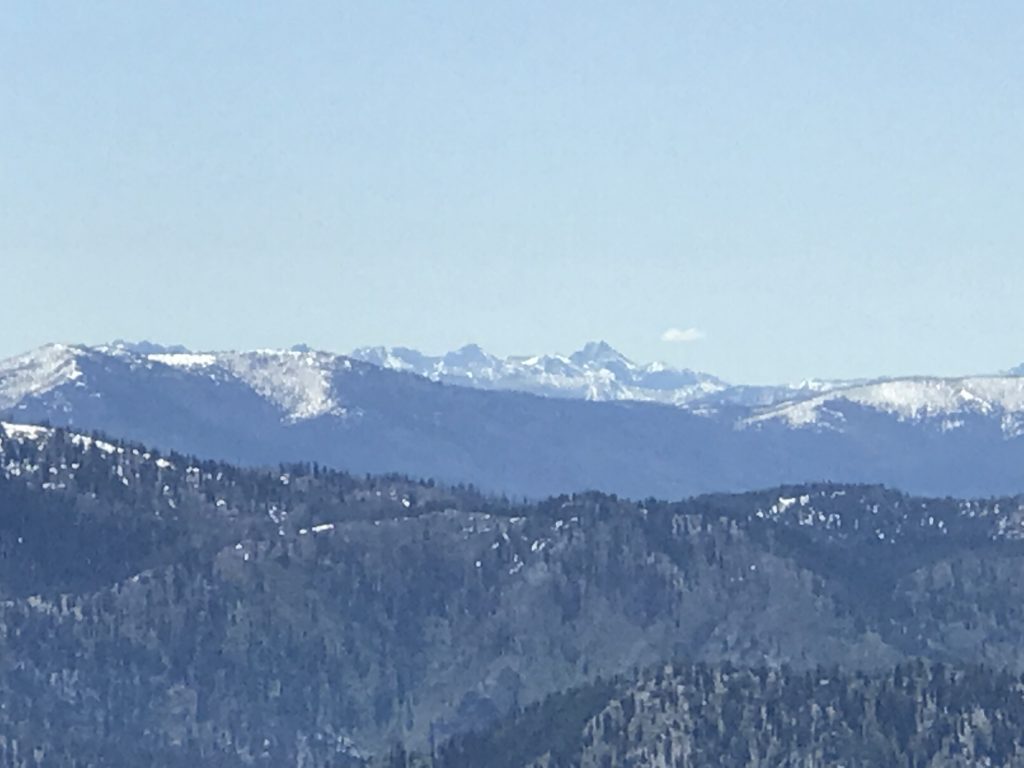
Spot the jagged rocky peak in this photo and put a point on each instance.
(598, 353)
(395, 358)
(468, 355)
(597, 371)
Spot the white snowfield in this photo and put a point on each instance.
(946, 400)
(300, 384)
(184, 359)
(304, 384)
(22, 431)
(595, 372)
(38, 371)
(297, 382)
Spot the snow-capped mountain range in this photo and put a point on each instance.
(600, 420)
(597, 371)
(945, 402)
(299, 382)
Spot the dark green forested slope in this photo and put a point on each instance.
(680, 716)
(161, 610)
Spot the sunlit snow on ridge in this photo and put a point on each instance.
(184, 359)
(596, 372)
(298, 382)
(913, 399)
(38, 372)
(23, 431)
(303, 384)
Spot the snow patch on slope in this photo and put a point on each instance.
(38, 372)
(23, 431)
(914, 399)
(184, 359)
(595, 372)
(300, 383)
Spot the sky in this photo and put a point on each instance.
(768, 191)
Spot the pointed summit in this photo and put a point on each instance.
(596, 372)
(598, 353)
(468, 354)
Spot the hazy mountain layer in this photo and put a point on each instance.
(936, 436)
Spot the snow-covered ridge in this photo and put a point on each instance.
(39, 371)
(298, 382)
(304, 384)
(595, 372)
(912, 399)
(184, 359)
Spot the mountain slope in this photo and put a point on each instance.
(681, 715)
(595, 372)
(955, 437)
(163, 610)
(266, 407)
(945, 403)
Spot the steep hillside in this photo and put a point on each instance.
(163, 610)
(683, 716)
(946, 404)
(936, 437)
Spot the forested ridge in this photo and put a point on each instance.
(162, 610)
(681, 716)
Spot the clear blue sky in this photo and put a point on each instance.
(821, 188)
